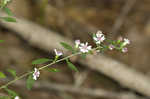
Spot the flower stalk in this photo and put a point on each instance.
(79, 49)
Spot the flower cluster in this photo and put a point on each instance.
(120, 44)
(98, 38)
(123, 45)
(84, 47)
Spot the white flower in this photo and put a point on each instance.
(124, 50)
(111, 47)
(84, 47)
(36, 74)
(17, 97)
(99, 37)
(77, 43)
(58, 53)
(126, 41)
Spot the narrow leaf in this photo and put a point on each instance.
(67, 46)
(2, 75)
(5, 97)
(41, 61)
(8, 11)
(12, 72)
(11, 92)
(71, 66)
(30, 82)
(83, 55)
(52, 70)
(1, 41)
(9, 19)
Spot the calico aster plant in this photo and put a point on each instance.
(80, 48)
(83, 49)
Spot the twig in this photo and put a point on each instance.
(48, 40)
(28, 73)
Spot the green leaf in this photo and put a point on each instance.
(67, 46)
(121, 45)
(30, 82)
(1, 41)
(9, 19)
(52, 70)
(71, 66)
(5, 97)
(2, 75)
(12, 72)
(41, 61)
(11, 92)
(94, 35)
(83, 55)
(8, 11)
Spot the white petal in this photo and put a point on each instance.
(86, 51)
(82, 44)
(55, 51)
(86, 43)
(98, 42)
(99, 32)
(59, 54)
(126, 40)
(95, 38)
(35, 70)
(17, 97)
(83, 50)
(103, 38)
(34, 77)
(89, 47)
(77, 42)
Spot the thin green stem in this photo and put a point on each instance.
(43, 67)
(26, 74)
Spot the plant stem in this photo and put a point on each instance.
(26, 74)
(43, 67)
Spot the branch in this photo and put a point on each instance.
(81, 90)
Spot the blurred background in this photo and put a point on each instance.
(76, 19)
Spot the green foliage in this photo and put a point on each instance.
(11, 92)
(9, 19)
(83, 55)
(4, 3)
(1, 41)
(67, 46)
(12, 72)
(52, 70)
(71, 66)
(5, 97)
(2, 75)
(8, 11)
(41, 61)
(30, 82)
